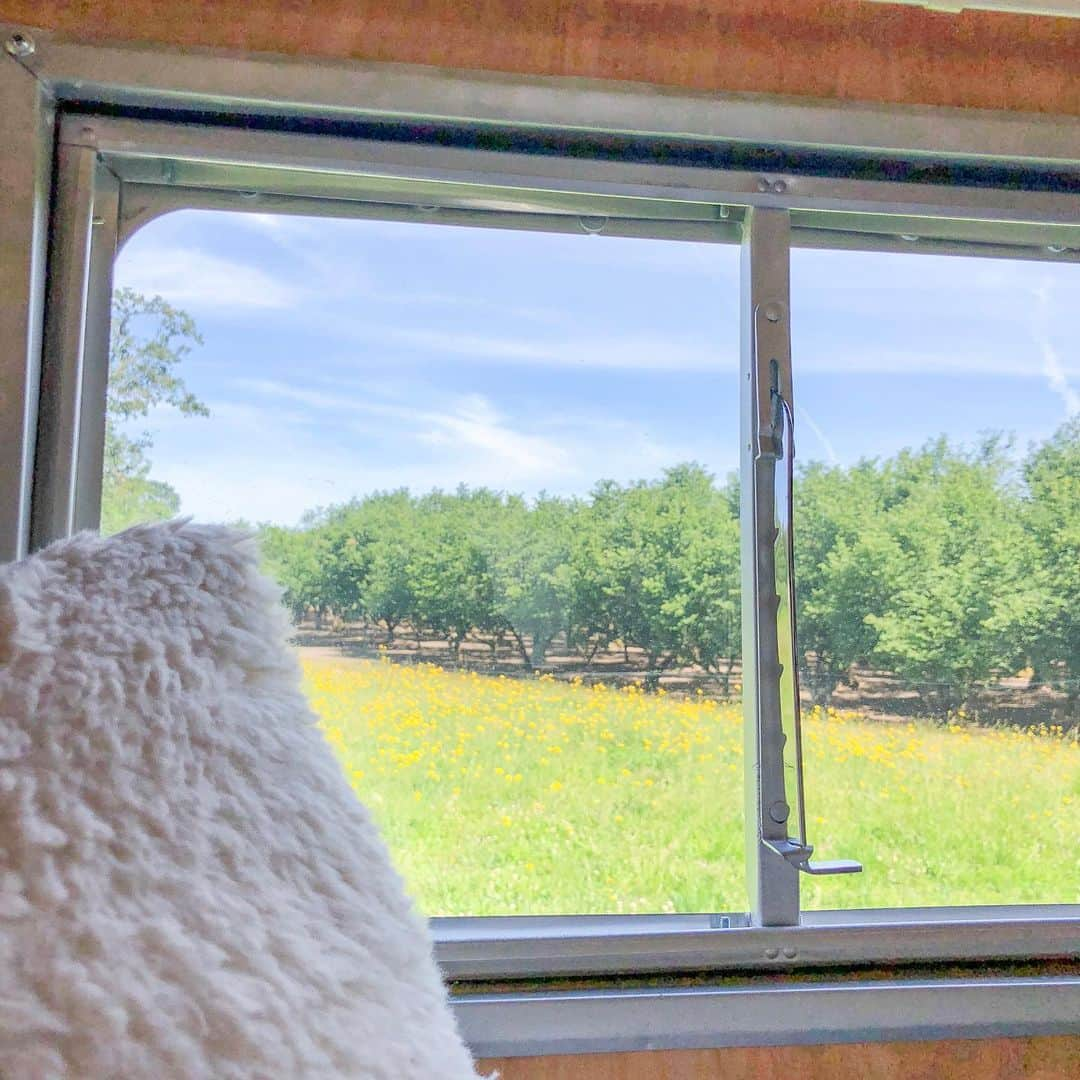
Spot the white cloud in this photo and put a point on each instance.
(637, 353)
(822, 438)
(279, 487)
(287, 449)
(916, 314)
(1053, 367)
(302, 395)
(475, 426)
(1013, 358)
(262, 480)
(468, 424)
(257, 489)
(1055, 377)
(825, 353)
(272, 223)
(197, 279)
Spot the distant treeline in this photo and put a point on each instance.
(948, 567)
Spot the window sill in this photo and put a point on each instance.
(621, 983)
(599, 1021)
(516, 947)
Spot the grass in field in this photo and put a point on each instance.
(531, 796)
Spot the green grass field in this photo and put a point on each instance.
(531, 796)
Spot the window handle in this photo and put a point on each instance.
(798, 854)
(796, 851)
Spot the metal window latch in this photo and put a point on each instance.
(798, 855)
(779, 423)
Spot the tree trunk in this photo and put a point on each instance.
(727, 677)
(522, 651)
(822, 683)
(539, 650)
(656, 669)
(944, 698)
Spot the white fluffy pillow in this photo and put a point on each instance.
(188, 887)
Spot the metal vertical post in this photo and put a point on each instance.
(90, 455)
(773, 881)
(26, 126)
(60, 408)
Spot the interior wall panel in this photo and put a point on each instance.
(846, 49)
(994, 1059)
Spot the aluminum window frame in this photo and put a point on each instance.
(143, 132)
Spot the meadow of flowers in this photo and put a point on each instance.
(533, 796)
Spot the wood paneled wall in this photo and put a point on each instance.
(843, 49)
(846, 49)
(994, 1059)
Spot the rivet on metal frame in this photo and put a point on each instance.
(20, 46)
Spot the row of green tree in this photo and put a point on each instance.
(948, 567)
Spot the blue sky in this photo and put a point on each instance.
(342, 357)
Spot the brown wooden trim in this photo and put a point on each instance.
(845, 49)
(1055, 1058)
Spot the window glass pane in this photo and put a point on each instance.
(492, 471)
(937, 528)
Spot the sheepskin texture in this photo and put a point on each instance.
(188, 886)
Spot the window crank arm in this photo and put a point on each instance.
(799, 856)
(796, 851)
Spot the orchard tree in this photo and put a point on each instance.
(386, 591)
(838, 569)
(709, 565)
(964, 602)
(149, 339)
(1052, 514)
(298, 560)
(346, 537)
(532, 578)
(635, 582)
(451, 569)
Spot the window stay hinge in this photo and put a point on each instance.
(777, 436)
